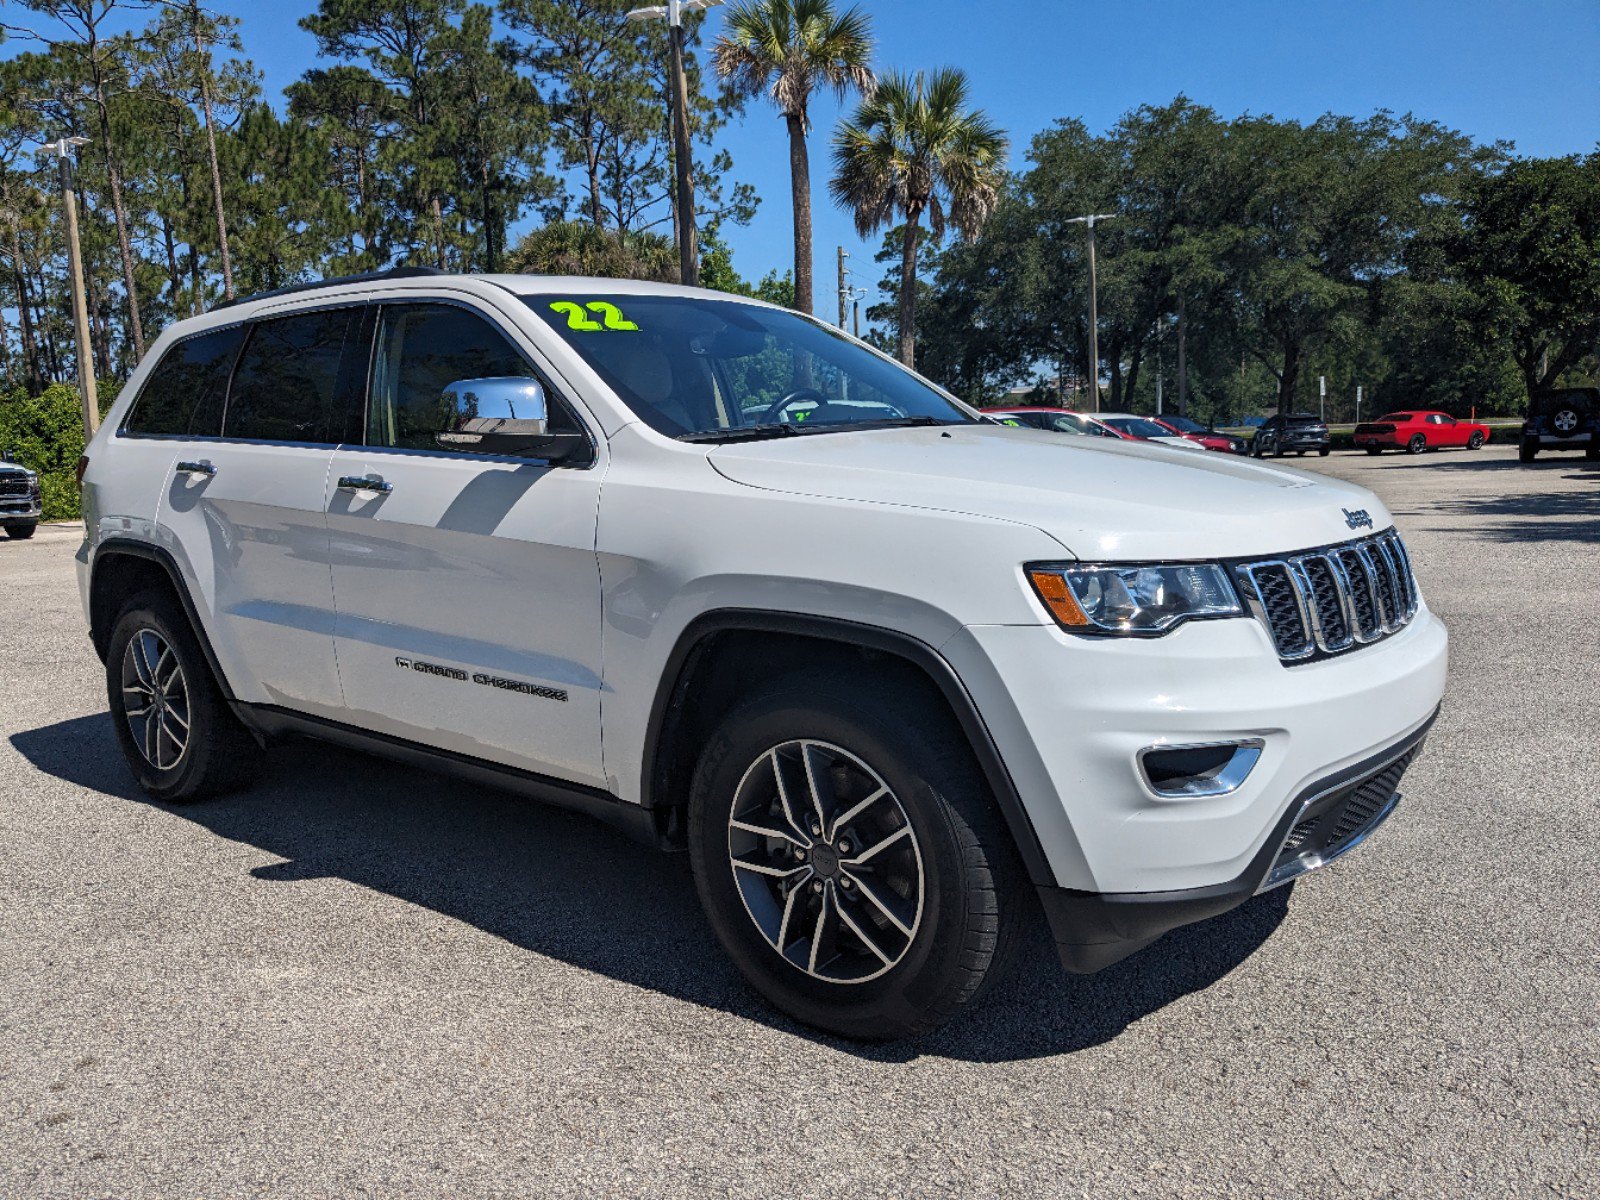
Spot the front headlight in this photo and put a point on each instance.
(1133, 599)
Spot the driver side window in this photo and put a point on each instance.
(421, 348)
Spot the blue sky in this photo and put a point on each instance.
(1526, 71)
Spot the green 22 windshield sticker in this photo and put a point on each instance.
(579, 320)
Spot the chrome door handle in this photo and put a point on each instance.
(195, 468)
(365, 483)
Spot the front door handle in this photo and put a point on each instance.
(192, 469)
(365, 483)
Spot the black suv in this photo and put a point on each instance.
(1564, 419)
(1297, 432)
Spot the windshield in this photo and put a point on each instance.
(1187, 424)
(1135, 427)
(711, 370)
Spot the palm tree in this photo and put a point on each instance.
(914, 147)
(790, 49)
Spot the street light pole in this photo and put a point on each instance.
(678, 97)
(80, 307)
(1089, 221)
(844, 288)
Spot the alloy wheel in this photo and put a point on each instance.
(155, 699)
(826, 862)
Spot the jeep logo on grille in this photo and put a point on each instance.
(1359, 519)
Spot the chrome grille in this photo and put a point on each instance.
(1333, 600)
(15, 485)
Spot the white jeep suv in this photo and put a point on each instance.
(735, 582)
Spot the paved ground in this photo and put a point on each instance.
(357, 980)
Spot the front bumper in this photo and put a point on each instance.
(1092, 930)
(20, 512)
(1071, 715)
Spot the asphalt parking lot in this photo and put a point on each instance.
(356, 979)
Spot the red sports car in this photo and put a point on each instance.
(1415, 432)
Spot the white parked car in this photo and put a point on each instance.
(882, 671)
(1146, 430)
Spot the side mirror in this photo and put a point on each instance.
(508, 415)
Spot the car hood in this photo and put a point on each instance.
(1098, 498)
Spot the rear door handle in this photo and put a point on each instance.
(195, 468)
(365, 483)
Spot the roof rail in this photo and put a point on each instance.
(369, 277)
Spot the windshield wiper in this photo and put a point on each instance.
(755, 433)
(741, 433)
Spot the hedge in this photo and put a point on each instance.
(45, 432)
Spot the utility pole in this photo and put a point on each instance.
(1322, 398)
(1183, 360)
(1094, 302)
(844, 288)
(1158, 377)
(682, 153)
(80, 308)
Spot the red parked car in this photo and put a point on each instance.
(1188, 427)
(1415, 432)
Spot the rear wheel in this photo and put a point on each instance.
(176, 731)
(1527, 452)
(1475, 442)
(1374, 450)
(1417, 444)
(20, 532)
(849, 859)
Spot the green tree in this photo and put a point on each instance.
(1529, 250)
(581, 248)
(789, 50)
(917, 148)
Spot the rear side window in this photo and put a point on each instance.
(422, 348)
(184, 395)
(286, 387)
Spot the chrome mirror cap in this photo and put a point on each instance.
(476, 411)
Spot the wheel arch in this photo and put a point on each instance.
(124, 566)
(710, 665)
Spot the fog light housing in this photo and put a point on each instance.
(1195, 772)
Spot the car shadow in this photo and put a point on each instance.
(560, 885)
(1530, 516)
(1433, 461)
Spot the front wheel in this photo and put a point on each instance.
(21, 532)
(849, 858)
(1323, 453)
(1527, 452)
(1374, 450)
(1417, 444)
(1475, 442)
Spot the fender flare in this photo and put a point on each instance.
(115, 547)
(861, 636)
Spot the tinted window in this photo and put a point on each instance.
(185, 393)
(421, 348)
(1396, 418)
(1137, 428)
(1303, 419)
(286, 386)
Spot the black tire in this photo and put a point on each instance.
(1255, 449)
(1592, 452)
(21, 532)
(1417, 444)
(1527, 452)
(972, 886)
(1475, 442)
(1323, 453)
(1374, 450)
(218, 755)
